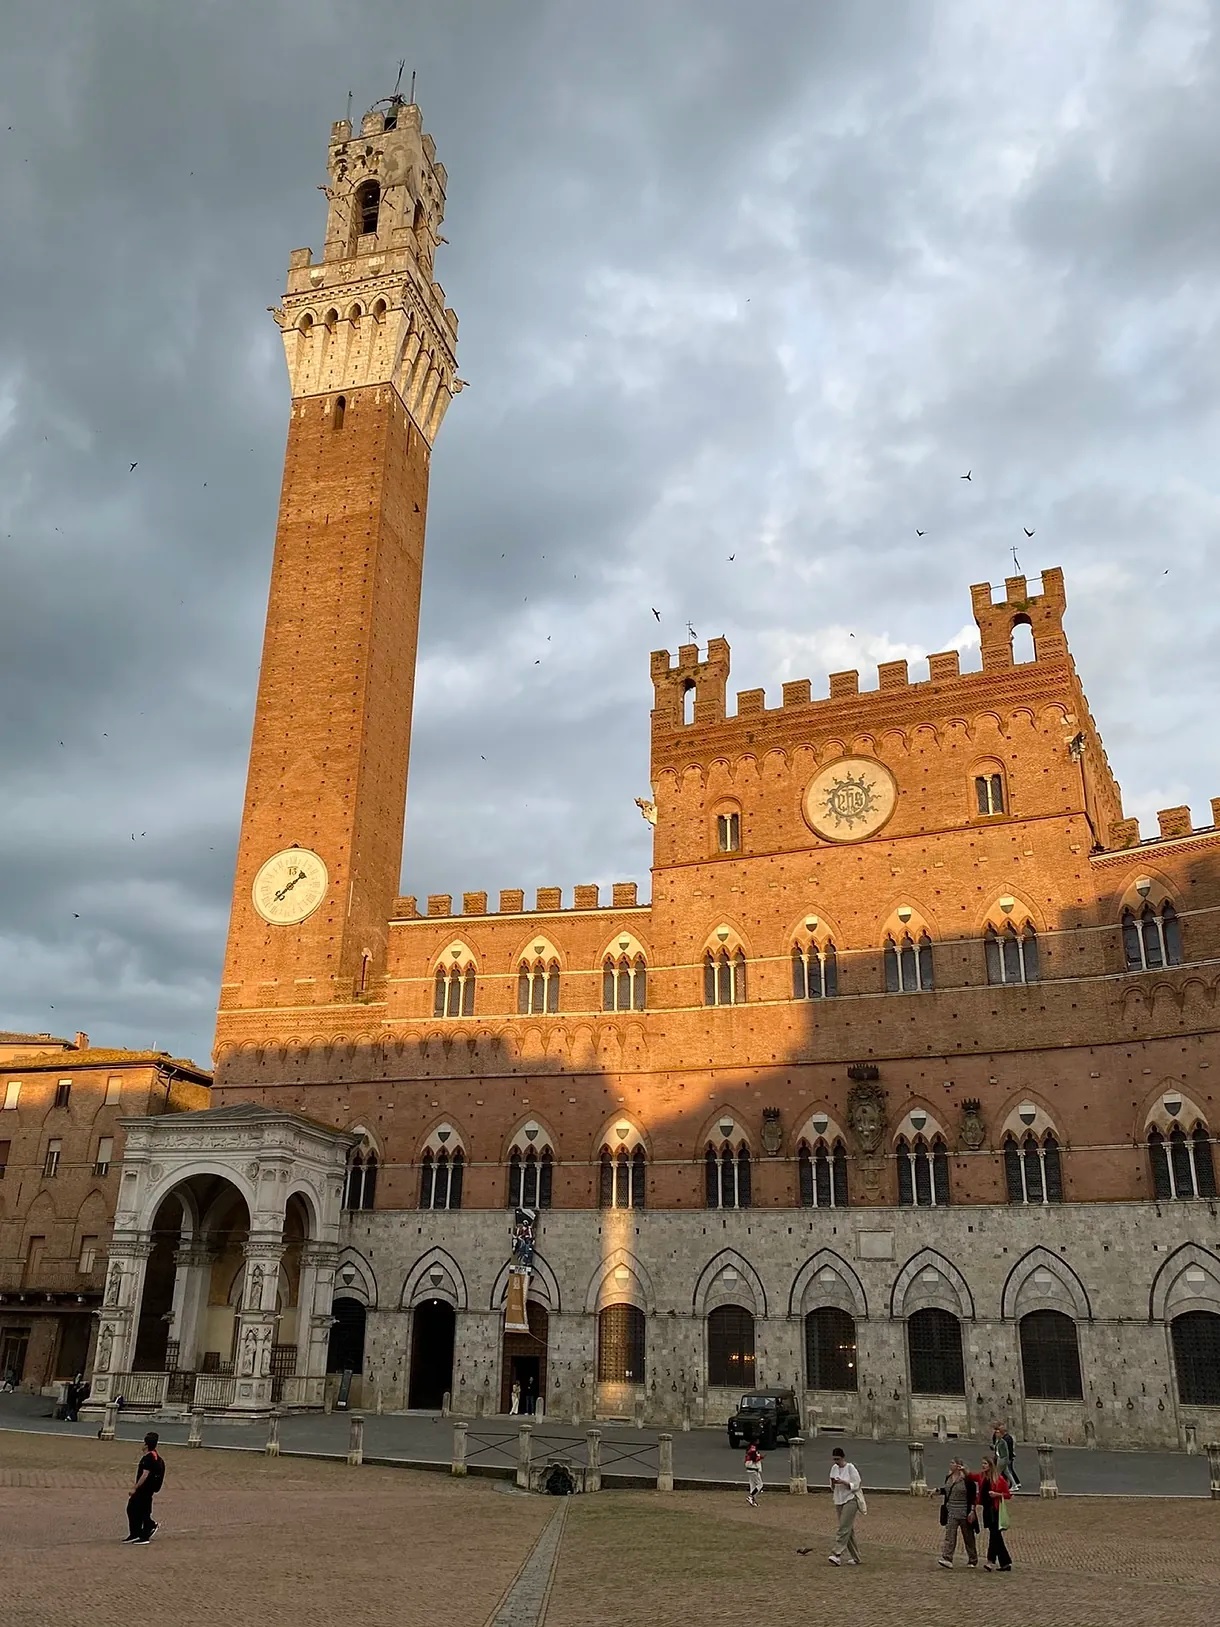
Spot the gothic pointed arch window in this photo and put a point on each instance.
(1196, 1357)
(625, 977)
(815, 970)
(934, 1349)
(908, 963)
(442, 1170)
(621, 1335)
(923, 1171)
(730, 1348)
(989, 792)
(1152, 937)
(1050, 1357)
(538, 984)
(1182, 1162)
(1032, 1170)
(830, 1349)
(822, 1173)
(622, 1169)
(531, 1168)
(453, 985)
(724, 971)
(360, 1177)
(728, 1170)
(1012, 953)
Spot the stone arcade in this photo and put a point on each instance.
(898, 1090)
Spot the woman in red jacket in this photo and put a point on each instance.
(994, 1492)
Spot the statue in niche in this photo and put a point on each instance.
(105, 1346)
(866, 1114)
(114, 1285)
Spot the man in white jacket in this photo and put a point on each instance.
(844, 1485)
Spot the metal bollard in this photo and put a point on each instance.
(195, 1434)
(525, 1454)
(1191, 1432)
(686, 1414)
(811, 1419)
(796, 1466)
(1213, 1465)
(458, 1466)
(355, 1443)
(593, 1460)
(272, 1448)
(665, 1463)
(1047, 1485)
(106, 1433)
(918, 1484)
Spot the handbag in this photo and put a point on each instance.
(860, 1503)
(944, 1513)
(1003, 1521)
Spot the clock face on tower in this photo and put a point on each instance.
(290, 886)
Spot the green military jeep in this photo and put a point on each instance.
(765, 1416)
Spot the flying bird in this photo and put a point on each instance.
(966, 476)
(732, 557)
(919, 533)
(656, 612)
(133, 468)
(1027, 531)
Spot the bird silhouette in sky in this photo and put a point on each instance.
(732, 557)
(966, 476)
(919, 533)
(656, 612)
(133, 469)
(1027, 531)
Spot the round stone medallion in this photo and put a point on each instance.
(850, 799)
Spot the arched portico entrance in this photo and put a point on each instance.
(221, 1270)
(433, 1325)
(524, 1360)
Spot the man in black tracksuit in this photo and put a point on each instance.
(150, 1476)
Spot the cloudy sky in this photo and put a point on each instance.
(759, 280)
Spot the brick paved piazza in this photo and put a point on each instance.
(282, 1541)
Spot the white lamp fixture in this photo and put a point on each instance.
(1027, 1113)
(1144, 886)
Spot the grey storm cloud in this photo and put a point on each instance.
(755, 281)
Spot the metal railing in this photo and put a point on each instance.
(214, 1392)
(142, 1390)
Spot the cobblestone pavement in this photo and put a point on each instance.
(250, 1539)
(278, 1541)
(696, 1558)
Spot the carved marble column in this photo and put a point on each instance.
(119, 1316)
(256, 1322)
(314, 1319)
(192, 1279)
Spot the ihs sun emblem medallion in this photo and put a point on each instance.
(849, 801)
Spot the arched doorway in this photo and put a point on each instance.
(432, 1331)
(345, 1353)
(524, 1361)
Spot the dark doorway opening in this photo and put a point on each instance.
(345, 1353)
(13, 1345)
(431, 1355)
(73, 1355)
(524, 1361)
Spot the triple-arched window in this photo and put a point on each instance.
(624, 983)
(530, 1178)
(1032, 1169)
(815, 971)
(622, 1178)
(1012, 956)
(1152, 938)
(724, 977)
(727, 1176)
(454, 991)
(908, 964)
(822, 1174)
(360, 1180)
(440, 1179)
(538, 987)
(1182, 1165)
(923, 1172)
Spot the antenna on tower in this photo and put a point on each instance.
(412, 87)
(398, 81)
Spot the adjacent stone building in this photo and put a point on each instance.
(897, 1090)
(63, 1106)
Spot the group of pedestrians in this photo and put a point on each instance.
(970, 1500)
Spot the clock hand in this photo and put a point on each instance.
(287, 888)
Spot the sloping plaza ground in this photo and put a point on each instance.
(278, 1541)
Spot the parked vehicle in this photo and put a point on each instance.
(765, 1416)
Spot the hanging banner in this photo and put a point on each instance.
(515, 1319)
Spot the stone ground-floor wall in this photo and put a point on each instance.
(55, 1345)
(1120, 1272)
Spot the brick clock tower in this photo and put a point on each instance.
(370, 349)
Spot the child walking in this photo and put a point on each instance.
(754, 1474)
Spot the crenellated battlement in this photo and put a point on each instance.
(1041, 609)
(1173, 824)
(586, 899)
